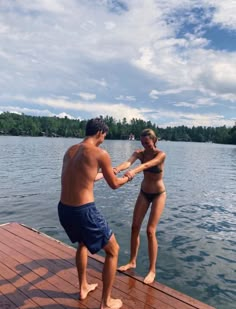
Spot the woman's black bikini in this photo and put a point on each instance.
(150, 196)
(154, 169)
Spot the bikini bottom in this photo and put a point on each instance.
(150, 196)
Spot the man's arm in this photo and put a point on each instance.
(106, 168)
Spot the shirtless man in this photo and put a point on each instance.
(78, 214)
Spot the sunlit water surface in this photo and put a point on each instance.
(196, 234)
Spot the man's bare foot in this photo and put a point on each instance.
(89, 288)
(150, 277)
(112, 304)
(127, 266)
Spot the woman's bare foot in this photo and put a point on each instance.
(89, 288)
(150, 277)
(127, 266)
(112, 304)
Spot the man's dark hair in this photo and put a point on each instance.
(95, 125)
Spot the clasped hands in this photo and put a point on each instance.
(130, 174)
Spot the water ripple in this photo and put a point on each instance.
(196, 233)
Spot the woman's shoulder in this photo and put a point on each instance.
(139, 151)
(160, 153)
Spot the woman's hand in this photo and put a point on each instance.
(99, 176)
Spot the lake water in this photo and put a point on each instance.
(197, 232)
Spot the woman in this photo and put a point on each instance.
(152, 193)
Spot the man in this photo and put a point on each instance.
(78, 215)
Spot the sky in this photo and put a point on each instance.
(169, 62)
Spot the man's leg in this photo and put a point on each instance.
(108, 275)
(81, 260)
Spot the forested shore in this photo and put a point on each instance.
(15, 124)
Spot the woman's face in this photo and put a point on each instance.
(147, 142)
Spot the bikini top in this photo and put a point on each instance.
(153, 169)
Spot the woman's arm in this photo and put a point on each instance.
(126, 164)
(159, 159)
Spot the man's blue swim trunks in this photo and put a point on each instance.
(85, 224)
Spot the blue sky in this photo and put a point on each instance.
(171, 62)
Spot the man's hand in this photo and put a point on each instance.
(130, 174)
(115, 170)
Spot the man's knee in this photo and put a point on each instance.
(116, 249)
(112, 248)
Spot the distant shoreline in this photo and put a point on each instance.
(24, 125)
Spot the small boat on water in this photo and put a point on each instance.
(131, 137)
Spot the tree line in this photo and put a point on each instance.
(15, 124)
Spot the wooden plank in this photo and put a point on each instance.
(175, 300)
(122, 292)
(38, 279)
(43, 267)
(48, 267)
(122, 286)
(164, 293)
(5, 303)
(130, 300)
(27, 246)
(16, 297)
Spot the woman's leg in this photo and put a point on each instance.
(158, 205)
(140, 210)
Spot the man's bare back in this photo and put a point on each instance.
(80, 167)
(81, 164)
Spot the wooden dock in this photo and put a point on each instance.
(37, 271)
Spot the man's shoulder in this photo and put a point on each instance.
(102, 152)
(73, 148)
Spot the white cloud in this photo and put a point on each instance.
(126, 98)
(205, 102)
(87, 96)
(63, 115)
(191, 119)
(97, 49)
(154, 94)
(26, 111)
(109, 25)
(102, 82)
(224, 13)
(201, 102)
(185, 104)
(40, 5)
(118, 110)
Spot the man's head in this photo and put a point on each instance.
(95, 125)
